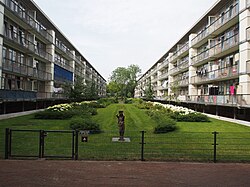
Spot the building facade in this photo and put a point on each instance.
(36, 58)
(209, 67)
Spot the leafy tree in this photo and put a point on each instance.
(80, 91)
(149, 93)
(123, 81)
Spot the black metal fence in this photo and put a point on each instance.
(138, 145)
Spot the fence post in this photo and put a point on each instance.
(7, 137)
(73, 145)
(142, 145)
(76, 144)
(41, 144)
(215, 146)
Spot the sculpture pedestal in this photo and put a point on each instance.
(116, 139)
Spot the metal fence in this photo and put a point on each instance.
(138, 145)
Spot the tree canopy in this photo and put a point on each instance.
(123, 81)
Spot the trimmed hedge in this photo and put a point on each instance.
(84, 124)
(192, 117)
(47, 114)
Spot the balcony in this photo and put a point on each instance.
(183, 50)
(183, 66)
(17, 95)
(225, 21)
(180, 82)
(22, 69)
(219, 74)
(163, 64)
(64, 50)
(23, 15)
(163, 76)
(225, 100)
(63, 65)
(173, 57)
(223, 48)
(202, 57)
(13, 38)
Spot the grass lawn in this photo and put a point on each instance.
(191, 141)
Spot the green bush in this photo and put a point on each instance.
(84, 124)
(192, 117)
(165, 125)
(47, 114)
(107, 101)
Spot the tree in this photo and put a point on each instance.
(149, 93)
(123, 81)
(80, 91)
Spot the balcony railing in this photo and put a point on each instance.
(23, 42)
(163, 64)
(220, 21)
(17, 95)
(226, 100)
(173, 56)
(217, 49)
(164, 75)
(183, 65)
(19, 11)
(226, 17)
(63, 65)
(64, 49)
(22, 69)
(224, 45)
(180, 82)
(223, 73)
(248, 33)
(183, 48)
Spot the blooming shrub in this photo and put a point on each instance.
(60, 107)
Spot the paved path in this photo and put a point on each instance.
(12, 115)
(246, 123)
(80, 173)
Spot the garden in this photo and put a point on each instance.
(169, 132)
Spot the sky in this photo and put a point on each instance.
(118, 33)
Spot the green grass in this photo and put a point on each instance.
(191, 140)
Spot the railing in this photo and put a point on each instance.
(183, 48)
(226, 17)
(183, 65)
(173, 56)
(22, 14)
(21, 40)
(200, 57)
(164, 75)
(218, 48)
(223, 46)
(17, 95)
(64, 49)
(163, 64)
(22, 95)
(63, 65)
(222, 73)
(17, 67)
(222, 20)
(232, 100)
(137, 145)
(180, 82)
(50, 95)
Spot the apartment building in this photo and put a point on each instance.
(37, 59)
(208, 68)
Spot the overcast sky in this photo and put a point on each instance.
(117, 33)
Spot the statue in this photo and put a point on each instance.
(121, 125)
